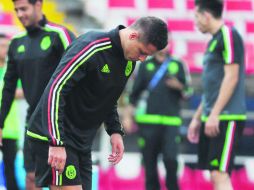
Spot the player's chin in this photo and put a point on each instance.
(129, 58)
(25, 24)
(23, 21)
(202, 30)
(133, 59)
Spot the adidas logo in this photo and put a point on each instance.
(21, 49)
(215, 163)
(105, 69)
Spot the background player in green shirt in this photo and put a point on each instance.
(158, 125)
(11, 131)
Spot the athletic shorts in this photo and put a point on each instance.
(77, 171)
(218, 153)
(29, 157)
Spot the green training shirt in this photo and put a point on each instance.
(12, 123)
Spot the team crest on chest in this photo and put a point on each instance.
(21, 49)
(45, 43)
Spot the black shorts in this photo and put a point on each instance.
(29, 157)
(218, 153)
(77, 171)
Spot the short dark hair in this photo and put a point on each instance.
(215, 7)
(30, 1)
(154, 31)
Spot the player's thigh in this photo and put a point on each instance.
(170, 142)
(29, 157)
(85, 167)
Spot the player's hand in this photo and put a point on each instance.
(57, 158)
(1, 137)
(127, 119)
(212, 126)
(193, 130)
(174, 83)
(128, 124)
(117, 148)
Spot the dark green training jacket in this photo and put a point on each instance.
(33, 57)
(163, 103)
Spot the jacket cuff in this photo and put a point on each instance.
(112, 131)
(55, 142)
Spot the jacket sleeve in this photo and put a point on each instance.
(182, 75)
(185, 78)
(10, 83)
(112, 123)
(139, 85)
(63, 41)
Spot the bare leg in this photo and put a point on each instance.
(30, 181)
(221, 180)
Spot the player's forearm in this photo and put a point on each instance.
(6, 102)
(112, 123)
(198, 113)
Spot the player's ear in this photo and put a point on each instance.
(133, 35)
(207, 16)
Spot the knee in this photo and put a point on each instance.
(30, 181)
(170, 164)
(218, 177)
(30, 177)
